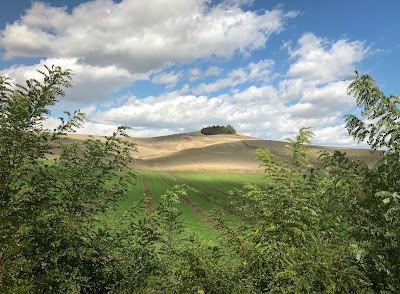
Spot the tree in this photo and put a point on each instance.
(377, 205)
(298, 157)
(290, 247)
(381, 112)
(48, 209)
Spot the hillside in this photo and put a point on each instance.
(197, 152)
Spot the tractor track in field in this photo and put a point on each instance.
(199, 211)
(234, 198)
(149, 204)
(197, 191)
(229, 210)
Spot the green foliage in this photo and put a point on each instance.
(295, 245)
(348, 212)
(381, 112)
(214, 130)
(298, 153)
(377, 236)
(48, 211)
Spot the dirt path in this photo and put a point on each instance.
(149, 204)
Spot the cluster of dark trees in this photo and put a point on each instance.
(214, 130)
(334, 229)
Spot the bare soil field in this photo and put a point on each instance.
(223, 153)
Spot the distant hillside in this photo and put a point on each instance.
(198, 152)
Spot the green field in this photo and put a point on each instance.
(207, 195)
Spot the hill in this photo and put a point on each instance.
(197, 152)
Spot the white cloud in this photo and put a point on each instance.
(195, 73)
(318, 60)
(90, 83)
(318, 102)
(90, 128)
(103, 129)
(51, 123)
(170, 78)
(264, 94)
(254, 71)
(170, 111)
(213, 87)
(137, 35)
(259, 71)
(336, 136)
(213, 71)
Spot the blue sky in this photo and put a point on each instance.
(167, 66)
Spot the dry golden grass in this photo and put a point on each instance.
(197, 152)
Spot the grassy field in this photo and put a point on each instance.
(207, 195)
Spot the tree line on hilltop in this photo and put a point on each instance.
(215, 130)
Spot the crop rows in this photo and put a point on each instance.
(207, 197)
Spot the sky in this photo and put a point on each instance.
(162, 67)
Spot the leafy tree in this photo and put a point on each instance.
(298, 153)
(348, 209)
(381, 112)
(290, 248)
(48, 209)
(377, 235)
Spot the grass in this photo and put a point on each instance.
(207, 193)
(131, 201)
(192, 221)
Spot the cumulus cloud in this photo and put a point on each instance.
(322, 101)
(336, 135)
(140, 36)
(259, 71)
(261, 95)
(318, 60)
(213, 71)
(170, 110)
(195, 73)
(90, 83)
(170, 78)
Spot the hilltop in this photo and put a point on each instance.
(197, 152)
